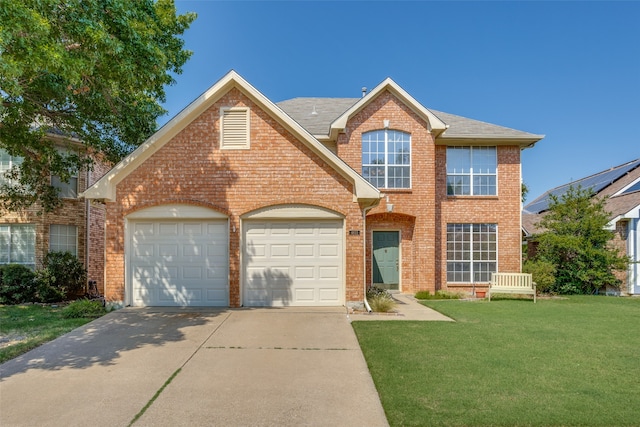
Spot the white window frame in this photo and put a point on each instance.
(468, 187)
(388, 154)
(63, 238)
(13, 161)
(9, 245)
(470, 258)
(232, 135)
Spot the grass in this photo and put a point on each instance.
(25, 327)
(568, 362)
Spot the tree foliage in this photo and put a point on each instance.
(577, 243)
(94, 71)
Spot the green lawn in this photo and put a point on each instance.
(24, 327)
(569, 362)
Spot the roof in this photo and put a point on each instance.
(105, 188)
(598, 183)
(318, 114)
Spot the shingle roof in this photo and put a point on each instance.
(462, 127)
(317, 114)
(599, 183)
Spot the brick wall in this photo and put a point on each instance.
(277, 169)
(414, 209)
(421, 213)
(503, 209)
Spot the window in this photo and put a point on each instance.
(7, 162)
(66, 189)
(63, 238)
(234, 133)
(18, 244)
(471, 171)
(471, 252)
(386, 158)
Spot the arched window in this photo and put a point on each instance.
(386, 158)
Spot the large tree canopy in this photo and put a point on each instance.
(577, 243)
(94, 71)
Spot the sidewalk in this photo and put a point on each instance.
(407, 308)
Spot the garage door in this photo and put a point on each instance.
(179, 262)
(293, 263)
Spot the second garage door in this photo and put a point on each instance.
(293, 263)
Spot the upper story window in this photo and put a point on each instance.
(386, 158)
(472, 171)
(7, 162)
(66, 189)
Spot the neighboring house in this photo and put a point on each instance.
(77, 226)
(238, 201)
(621, 186)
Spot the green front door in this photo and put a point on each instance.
(386, 262)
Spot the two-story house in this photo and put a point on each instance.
(238, 201)
(77, 226)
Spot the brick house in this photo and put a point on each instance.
(621, 186)
(77, 226)
(238, 201)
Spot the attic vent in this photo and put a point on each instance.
(234, 134)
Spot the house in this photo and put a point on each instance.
(239, 201)
(77, 226)
(621, 186)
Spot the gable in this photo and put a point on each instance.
(104, 189)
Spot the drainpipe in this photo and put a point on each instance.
(364, 257)
(87, 228)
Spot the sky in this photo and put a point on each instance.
(567, 70)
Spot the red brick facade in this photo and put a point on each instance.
(279, 168)
(87, 217)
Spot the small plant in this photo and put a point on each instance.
(423, 295)
(83, 308)
(380, 300)
(438, 295)
(17, 284)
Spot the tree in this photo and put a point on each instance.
(576, 242)
(93, 71)
(524, 190)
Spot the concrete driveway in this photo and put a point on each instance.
(174, 367)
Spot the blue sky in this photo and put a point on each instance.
(568, 70)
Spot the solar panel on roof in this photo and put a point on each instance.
(634, 187)
(595, 183)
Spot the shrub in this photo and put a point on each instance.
(83, 308)
(438, 295)
(63, 276)
(380, 300)
(17, 284)
(543, 273)
(423, 295)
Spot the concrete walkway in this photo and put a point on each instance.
(407, 308)
(262, 367)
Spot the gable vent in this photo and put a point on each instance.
(235, 128)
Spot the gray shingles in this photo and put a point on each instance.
(328, 109)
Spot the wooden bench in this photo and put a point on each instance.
(512, 283)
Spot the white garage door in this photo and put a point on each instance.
(296, 263)
(179, 262)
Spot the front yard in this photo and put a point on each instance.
(24, 327)
(559, 362)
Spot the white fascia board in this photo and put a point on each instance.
(632, 214)
(626, 187)
(522, 142)
(105, 188)
(436, 125)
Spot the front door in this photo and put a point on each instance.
(386, 260)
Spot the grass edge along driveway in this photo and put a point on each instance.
(25, 327)
(559, 362)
